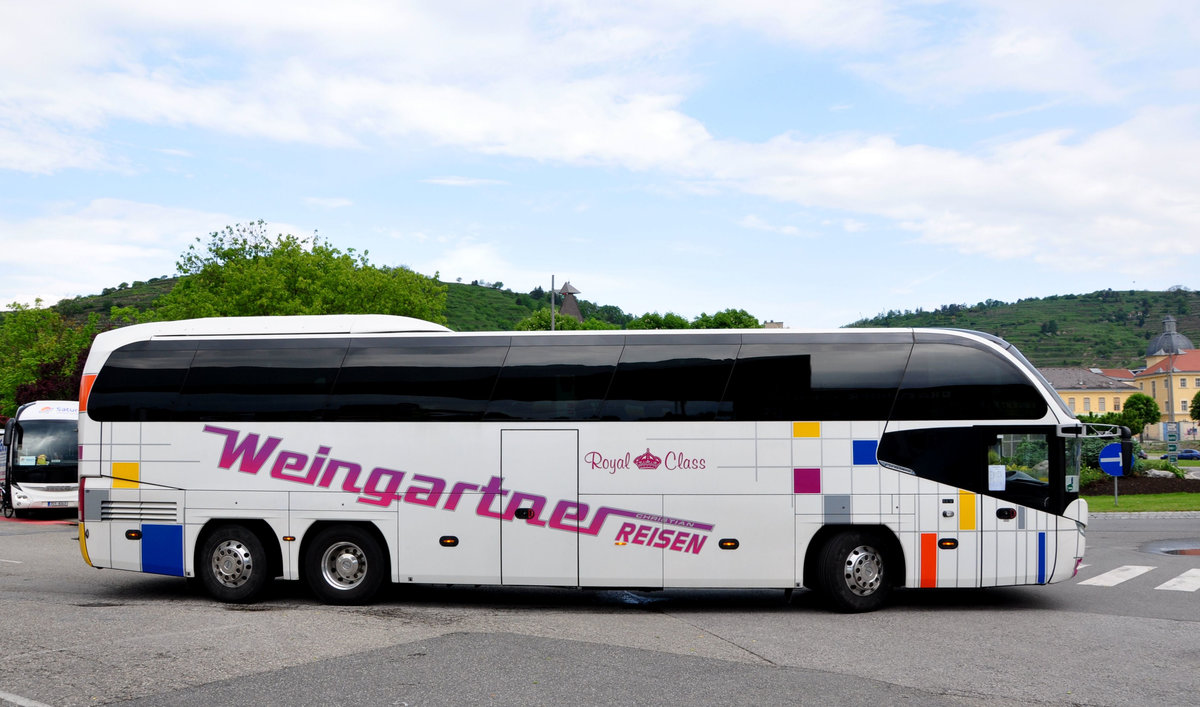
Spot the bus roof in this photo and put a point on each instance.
(49, 410)
(382, 324)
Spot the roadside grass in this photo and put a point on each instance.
(1139, 502)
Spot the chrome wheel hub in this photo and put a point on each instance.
(344, 565)
(863, 570)
(232, 563)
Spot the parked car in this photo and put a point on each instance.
(1189, 454)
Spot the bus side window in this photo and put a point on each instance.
(421, 379)
(950, 381)
(669, 382)
(141, 382)
(548, 378)
(1013, 466)
(956, 456)
(815, 381)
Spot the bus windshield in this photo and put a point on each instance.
(46, 452)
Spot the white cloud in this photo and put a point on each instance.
(1050, 197)
(756, 223)
(30, 145)
(1030, 59)
(1091, 52)
(99, 245)
(608, 84)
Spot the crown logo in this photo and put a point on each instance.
(647, 461)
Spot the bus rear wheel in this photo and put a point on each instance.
(853, 572)
(233, 565)
(344, 565)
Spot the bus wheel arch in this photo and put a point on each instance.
(236, 559)
(344, 562)
(854, 567)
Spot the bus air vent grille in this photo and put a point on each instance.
(140, 511)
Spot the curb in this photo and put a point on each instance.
(1124, 515)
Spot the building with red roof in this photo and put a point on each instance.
(1172, 378)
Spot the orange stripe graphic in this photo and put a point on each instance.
(929, 550)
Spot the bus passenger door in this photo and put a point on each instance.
(540, 471)
(1017, 547)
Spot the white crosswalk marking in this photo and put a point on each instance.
(1187, 582)
(1120, 574)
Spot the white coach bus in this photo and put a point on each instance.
(352, 450)
(40, 446)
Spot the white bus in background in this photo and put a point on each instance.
(41, 448)
(350, 451)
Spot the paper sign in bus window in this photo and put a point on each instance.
(996, 474)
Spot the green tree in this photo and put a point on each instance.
(242, 271)
(540, 321)
(37, 346)
(1194, 407)
(654, 320)
(1140, 410)
(727, 319)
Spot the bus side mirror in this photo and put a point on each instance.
(1126, 451)
(8, 430)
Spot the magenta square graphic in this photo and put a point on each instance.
(807, 480)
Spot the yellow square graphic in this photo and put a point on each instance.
(966, 510)
(806, 429)
(125, 475)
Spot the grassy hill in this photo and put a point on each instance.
(480, 308)
(1105, 329)
(140, 295)
(468, 307)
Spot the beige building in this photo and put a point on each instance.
(1088, 391)
(1171, 377)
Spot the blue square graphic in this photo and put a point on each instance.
(162, 549)
(864, 452)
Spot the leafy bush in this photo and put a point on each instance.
(1091, 475)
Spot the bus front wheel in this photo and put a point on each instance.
(854, 572)
(233, 565)
(344, 565)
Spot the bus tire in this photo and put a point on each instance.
(233, 566)
(344, 565)
(853, 572)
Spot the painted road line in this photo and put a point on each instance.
(22, 701)
(1187, 582)
(1120, 574)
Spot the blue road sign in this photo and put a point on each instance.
(1110, 460)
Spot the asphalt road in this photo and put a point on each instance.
(73, 635)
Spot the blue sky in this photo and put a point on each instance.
(810, 162)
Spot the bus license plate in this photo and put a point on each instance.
(56, 504)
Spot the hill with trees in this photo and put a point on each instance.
(244, 271)
(1104, 329)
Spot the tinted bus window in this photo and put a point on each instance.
(1021, 465)
(669, 382)
(818, 381)
(418, 379)
(141, 382)
(546, 379)
(957, 382)
(260, 380)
